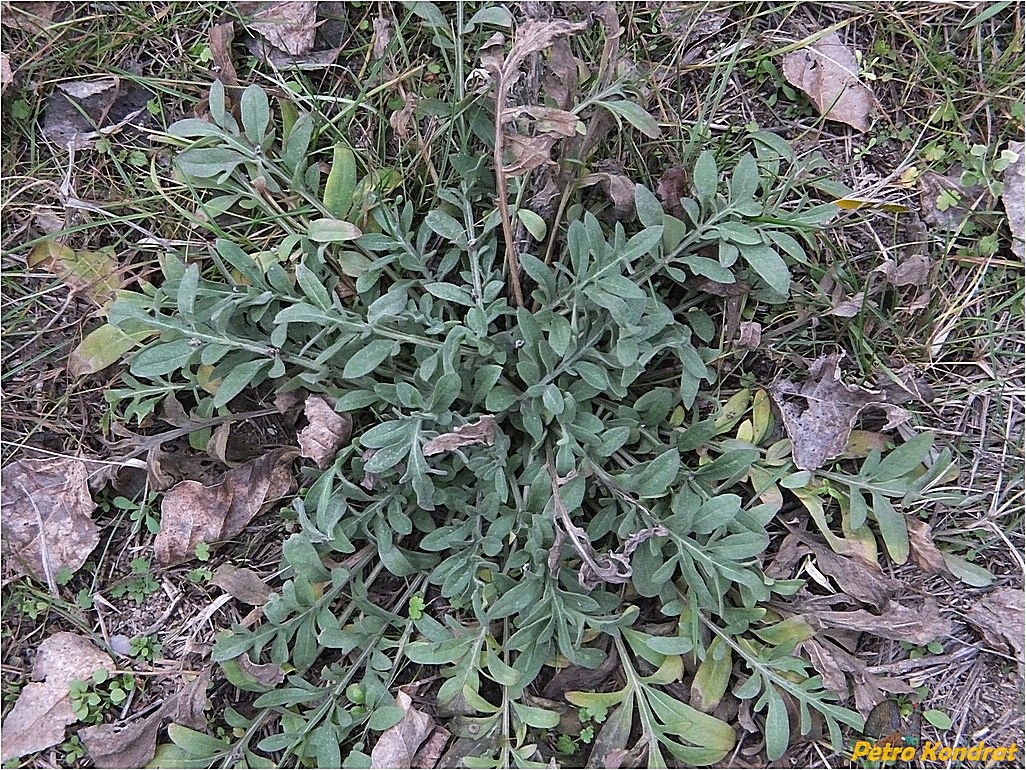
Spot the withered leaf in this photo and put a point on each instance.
(398, 745)
(749, 335)
(857, 577)
(999, 616)
(382, 37)
(526, 153)
(897, 621)
(290, 26)
(47, 516)
(819, 428)
(93, 272)
(620, 190)
(76, 109)
(673, 185)
(30, 16)
(192, 513)
(945, 201)
(6, 73)
(133, 743)
(221, 37)
(850, 307)
(326, 432)
(828, 72)
(913, 271)
(480, 432)
(834, 664)
(924, 552)
(267, 674)
(244, 584)
(43, 708)
(432, 749)
(1012, 197)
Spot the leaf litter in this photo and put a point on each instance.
(1012, 198)
(827, 72)
(43, 708)
(192, 513)
(47, 517)
(133, 742)
(398, 745)
(820, 427)
(326, 431)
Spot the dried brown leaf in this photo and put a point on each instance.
(914, 271)
(43, 708)
(921, 545)
(400, 119)
(620, 190)
(6, 73)
(749, 335)
(94, 273)
(526, 153)
(74, 110)
(819, 429)
(133, 743)
(835, 664)
(897, 621)
(326, 432)
(432, 749)
(398, 745)
(31, 17)
(244, 584)
(575, 677)
(999, 616)
(828, 72)
(267, 674)
(47, 516)
(480, 432)
(850, 307)
(689, 21)
(945, 201)
(192, 513)
(382, 37)
(858, 578)
(221, 37)
(1012, 197)
(290, 26)
(562, 81)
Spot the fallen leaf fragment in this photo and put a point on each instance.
(93, 272)
(398, 745)
(244, 584)
(749, 335)
(43, 708)
(857, 577)
(819, 429)
(28, 16)
(1012, 197)
(192, 513)
(47, 516)
(290, 25)
(221, 37)
(326, 432)
(432, 750)
(946, 202)
(911, 272)
(828, 72)
(620, 190)
(1000, 617)
(480, 432)
(133, 743)
(77, 109)
(897, 621)
(835, 664)
(921, 545)
(6, 73)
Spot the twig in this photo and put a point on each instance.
(512, 258)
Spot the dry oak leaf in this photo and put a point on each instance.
(326, 431)
(46, 521)
(290, 26)
(192, 513)
(43, 708)
(924, 552)
(819, 429)
(897, 621)
(828, 72)
(133, 743)
(1000, 617)
(480, 432)
(32, 17)
(1012, 198)
(398, 745)
(244, 584)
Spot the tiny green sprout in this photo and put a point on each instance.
(946, 200)
(84, 599)
(356, 694)
(138, 158)
(416, 607)
(989, 244)
(938, 719)
(63, 576)
(20, 109)
(203, 551)
(199, 575)
(153, 107)
(588, 733)
(566, 745)
(73, 750)
(145, 647)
